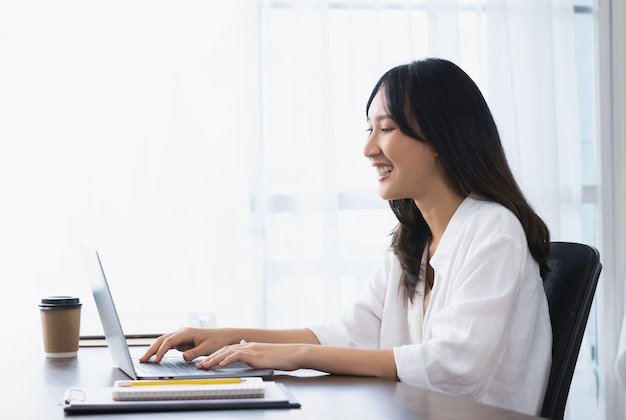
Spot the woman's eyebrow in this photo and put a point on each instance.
(380, 117)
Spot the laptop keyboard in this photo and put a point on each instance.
(170, 367)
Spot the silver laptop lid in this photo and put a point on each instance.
(113, 333)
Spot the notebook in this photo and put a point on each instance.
(193, 389)
(169, 367)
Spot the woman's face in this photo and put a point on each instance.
(406, 168)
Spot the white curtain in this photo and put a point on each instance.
(618, 187)
(212, 150)
(620, 360)
(132, 127)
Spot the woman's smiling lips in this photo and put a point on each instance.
(383, 170)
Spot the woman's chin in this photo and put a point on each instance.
(386, 195)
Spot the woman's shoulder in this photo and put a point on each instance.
(478, 214)
(481, 227)
(479, 207)
(483, 205)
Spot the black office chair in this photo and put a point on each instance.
(570, 287)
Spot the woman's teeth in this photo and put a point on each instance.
(384, 170)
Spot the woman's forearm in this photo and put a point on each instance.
(337, 360)
(349, 361)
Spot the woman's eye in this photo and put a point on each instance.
(384, 130)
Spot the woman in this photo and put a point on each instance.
(458, 305)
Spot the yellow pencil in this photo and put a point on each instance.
(214, 381)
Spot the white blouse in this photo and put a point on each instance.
(486, 333)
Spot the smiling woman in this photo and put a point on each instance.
(458, 303)
(226, 159)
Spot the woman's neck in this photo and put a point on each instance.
(437, 212)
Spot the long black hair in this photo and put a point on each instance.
(433, 100)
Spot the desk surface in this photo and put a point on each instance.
(36, 393)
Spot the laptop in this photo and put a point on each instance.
(169, 367)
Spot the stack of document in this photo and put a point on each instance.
(180, 395)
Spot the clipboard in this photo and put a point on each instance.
(100, 401)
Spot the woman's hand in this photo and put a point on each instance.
(257, 355)
(193, 342)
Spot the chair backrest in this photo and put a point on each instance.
(570, 287)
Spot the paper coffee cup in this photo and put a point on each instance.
(60, 323)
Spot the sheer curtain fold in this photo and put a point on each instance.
(532, 80)
(617, 189)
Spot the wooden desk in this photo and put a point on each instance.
(37, 391)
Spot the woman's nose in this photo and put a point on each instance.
(371, 147)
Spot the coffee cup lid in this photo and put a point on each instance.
(60, 302)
